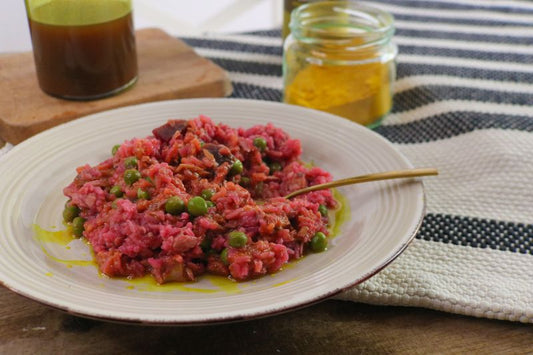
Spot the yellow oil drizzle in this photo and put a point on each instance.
(289, 265)
(219, 283)
(225, 284)
(62, 237)
(68, 263)
(341, 214)
(284, 282)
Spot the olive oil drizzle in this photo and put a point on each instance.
(147, 284)
(61, 237)
(341, 214)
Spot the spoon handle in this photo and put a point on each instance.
(395, 174)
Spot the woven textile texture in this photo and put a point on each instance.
(464, 104)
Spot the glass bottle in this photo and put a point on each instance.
(339, 58)
(83, 49)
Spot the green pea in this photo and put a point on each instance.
(77, 226)
(114, 205)
(174, 205)
(274, 166)
(70, 212)
(207, 194)
(130, 162)
(131, 176)
(205, 244)
(114, 150)
(117, 191)
(197, 206)
(237, 167)
(142, 194)
(149, 179)
(209, 204)
(224, 256)
(260, 143)
(319, 242)
(323, 210)
(237, 239)
(245, 181)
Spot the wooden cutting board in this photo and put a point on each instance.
(168, 69)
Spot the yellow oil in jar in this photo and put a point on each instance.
(336, 62)
(360, 93)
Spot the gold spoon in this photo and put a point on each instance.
(395, 174)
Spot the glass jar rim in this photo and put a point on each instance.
(370, 25)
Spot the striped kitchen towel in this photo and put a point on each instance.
(464, 104)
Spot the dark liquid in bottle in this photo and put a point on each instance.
(87, 61)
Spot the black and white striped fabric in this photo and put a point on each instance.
(463, 103)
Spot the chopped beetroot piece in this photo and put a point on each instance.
(166, 131)
(220, 152)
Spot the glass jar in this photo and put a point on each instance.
(339, 58)
(83, 49)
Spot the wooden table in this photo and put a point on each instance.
(339, 327)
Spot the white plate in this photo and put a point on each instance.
(384, 216)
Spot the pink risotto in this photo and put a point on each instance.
(197, 197)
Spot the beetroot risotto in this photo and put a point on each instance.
(198, 197)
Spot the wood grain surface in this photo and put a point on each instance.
(330, 327)
(168, 69)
